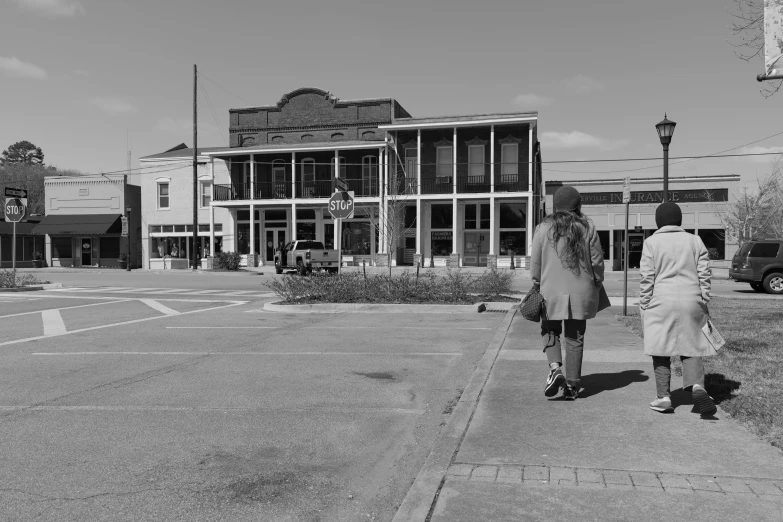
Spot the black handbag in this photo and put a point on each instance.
(533, 306)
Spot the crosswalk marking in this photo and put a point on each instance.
(168, 291)
(53, 322)
(159, 307)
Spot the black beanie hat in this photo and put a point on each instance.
(668, 214)
(567, 199)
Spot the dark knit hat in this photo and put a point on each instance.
(668, 214)
(567, 199)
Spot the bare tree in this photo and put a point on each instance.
(747, 30)
(756, 213)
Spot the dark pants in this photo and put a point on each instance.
(574, 344)
(692, 373)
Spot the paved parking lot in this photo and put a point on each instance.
(152, 406)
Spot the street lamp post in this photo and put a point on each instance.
(665, 130)
(127, 267)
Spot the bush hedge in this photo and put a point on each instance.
(10, 279)
(227, 260)
(453, 287)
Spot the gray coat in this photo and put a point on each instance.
(567, 295)
(674, 292)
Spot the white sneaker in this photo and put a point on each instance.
(662, 404)
(703, 400)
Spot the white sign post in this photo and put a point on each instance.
(340, 207)
(627, 201)
(14, 212)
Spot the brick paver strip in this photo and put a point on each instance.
(626, 480)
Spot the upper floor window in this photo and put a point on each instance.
(370, 174)
(443, 163)
(411, 155)
(163, 195)
(509, 158)
(278, 171)
(308, 170)
(341, 160)
(206, 193)
(476, 162)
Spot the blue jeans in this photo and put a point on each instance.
(574, 344)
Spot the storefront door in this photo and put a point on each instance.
(476, 248)
(635, 244)
(275, 239)
(86, 251)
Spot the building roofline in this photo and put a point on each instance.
(717, 177)
(460, 120)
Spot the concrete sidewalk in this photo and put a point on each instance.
(514, 454)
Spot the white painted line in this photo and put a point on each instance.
(206, 292)
(53, 322)
(108, 288)
(221, 327)
(135, 290)
(68, 307)
(173, 290)
(319, 409)
(159, 307)
(393, 327)
(424, 354)
(86, 297)
(240, 292)
(232, 303)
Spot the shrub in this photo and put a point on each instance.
(494, 282)
(227, 260)
(10, 279)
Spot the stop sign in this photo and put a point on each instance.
(341, 205)
(14, 210)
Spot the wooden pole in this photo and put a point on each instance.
(195, 167)
(625, 263)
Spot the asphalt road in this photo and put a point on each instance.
(175, 397)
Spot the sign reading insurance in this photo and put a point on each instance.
(656, 196)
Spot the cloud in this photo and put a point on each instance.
(112, 105)
(16, 68)
(532, 101)
(578, 140)
(53, 7)
(759, 150)
(581, 84)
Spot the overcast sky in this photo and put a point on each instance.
(77, 75)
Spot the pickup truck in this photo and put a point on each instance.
(304, 256)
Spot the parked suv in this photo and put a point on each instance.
(760, 263)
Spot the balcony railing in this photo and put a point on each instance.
(509, 183)
(232, 192)
(314, 189)
(273, 190)
(473, 184)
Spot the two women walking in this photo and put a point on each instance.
(567, 267)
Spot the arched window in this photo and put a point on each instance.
(278, 171)
(370, 176)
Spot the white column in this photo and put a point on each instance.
(211, 230)
(530, 158)
(418, 161)
(293, 175)
(454, 162)
(492, 226)
(418, 227)
(252, 179)
(529, 234)
(252, 229)
(492, 159)
(454, 215)
(293, 221)
(383, 212)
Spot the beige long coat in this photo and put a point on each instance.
(674, 290)
(567, 295)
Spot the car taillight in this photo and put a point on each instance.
(746, 263)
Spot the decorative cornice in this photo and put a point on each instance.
(510, 139)
(476, 141)
(247, 128)
(307, 90)
(442, 143)
(412, 144)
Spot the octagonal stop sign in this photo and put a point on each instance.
(14, 210)
(341, 205)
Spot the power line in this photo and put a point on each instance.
(220, 86)
(214, 116)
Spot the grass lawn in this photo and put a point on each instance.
(746, 377)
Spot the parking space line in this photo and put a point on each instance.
(121, 323)
(68, 307)
(159, 307)
(221, 327)
(318, 409)
(394, 327)
(423, 354)
(53, 322)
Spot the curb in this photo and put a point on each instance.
(339, 308)
(423, 494)
(22, 289)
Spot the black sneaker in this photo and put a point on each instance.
(703, 400)
(554, 382)
(570, 393)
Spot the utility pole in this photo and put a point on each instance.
(194, 250)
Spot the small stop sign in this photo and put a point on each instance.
(14, 210)
(341, 205)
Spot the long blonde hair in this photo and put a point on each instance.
(573, 227)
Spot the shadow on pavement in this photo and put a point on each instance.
(596, 383)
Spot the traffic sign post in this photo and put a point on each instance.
(627, 201)
(340, 207)
(14, 212)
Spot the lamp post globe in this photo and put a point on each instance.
(665, 131)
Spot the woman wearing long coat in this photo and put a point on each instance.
(567, 266)
(673, 297)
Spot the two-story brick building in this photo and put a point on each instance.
(457, 190)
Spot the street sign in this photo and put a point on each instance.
(340, 184)
(124, 226)
(627, 190)
(14, 210)
(15, 193)
(341, 205)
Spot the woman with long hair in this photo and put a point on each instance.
(567, 266)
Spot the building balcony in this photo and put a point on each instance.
(316, 189)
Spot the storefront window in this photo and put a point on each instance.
(512, 215)
(441, 216)
(442, 242)
(512, 243)
(356, 238)
(305, 230)
(715, 242)
(243, 238)
(61, 247)
(603, 235)
(484, 217)
(470, 217)
(110, 247)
